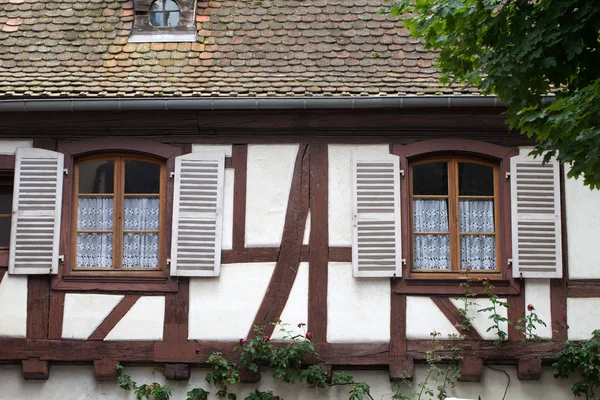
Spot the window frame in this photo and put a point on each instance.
(454, 233)
(104, 281)
(143, 31)
(7, 167)
(412, 283)
(118, 204)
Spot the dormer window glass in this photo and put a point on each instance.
(164, 13)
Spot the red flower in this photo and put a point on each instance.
(243, 342)
(486, 281)
(530, 307)
(266, 339)
(309, 335)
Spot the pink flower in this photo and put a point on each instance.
(530, 307)
(243, 342)
(266, 339)
(309, 335)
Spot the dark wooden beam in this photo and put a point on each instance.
(57, 308)
(471, 369)
(35, 369)
(318, 243)
(451, 313)
(240, 164)
(529, 368)
(38, 306)
(105, 369)
(114, 317)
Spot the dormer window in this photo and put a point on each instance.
(164, 21)
(164, 13)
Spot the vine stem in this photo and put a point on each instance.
(346, 384)
(507, 376)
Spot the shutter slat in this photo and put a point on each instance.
(37, 198)
(197, 214)
(536, 230)
(376, 234)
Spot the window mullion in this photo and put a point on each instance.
(454, 227)
(119, 214)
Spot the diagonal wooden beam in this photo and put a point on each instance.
(114, 317)
(451, 312)
(288, 260)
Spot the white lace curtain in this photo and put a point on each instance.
(139, 249)
(432, 251)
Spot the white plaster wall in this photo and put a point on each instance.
(144, 321)
(537, 293)
(358, 310)
(227, 235)
(583, 229)
(340, 188)
(8, 147)
(582, 317)
(270, 172)
(423, 317)
(227, 148)
(76, 382)
(480, 320)
(306, 230)
(296, 308)
(83, 313)
(13, 306)
(224, 308)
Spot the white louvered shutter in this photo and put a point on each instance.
(376, 242)
(197, 214)
(536, 229)
(37, 197)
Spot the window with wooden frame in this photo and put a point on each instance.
(454, 224)
(119, 202)
(6, 197)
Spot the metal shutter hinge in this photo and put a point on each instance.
(510, 262)
(171, 175)
(507, 175)
(66, 171)
(402, 173)
(404, 262)
(169, 262)
(61, 258)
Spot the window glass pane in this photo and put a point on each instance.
(96, 177)
(476, 215)
(430, 178)
(430, 215)
(140, 250)
(4, 232)
(475, 179)
(478, 252)
(172, 18)
(6, 196)
(431, 252)
(170, 5)
(94, 250)
(142, 177)
(95, 213)
(142, 213)
(156, 19)
(157, 5)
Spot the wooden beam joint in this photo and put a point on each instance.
(177, 372)
(247, 376)
(35, 369)
(105, 369)
(471, 369)
(401, 369)
(529, 368)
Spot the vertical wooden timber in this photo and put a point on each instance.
(177, 313)
(57, 307)
(239, 162)
(288, 261)
(318, 243)
(38, 306)
(558, 287)
(516, 311)
(400, 363)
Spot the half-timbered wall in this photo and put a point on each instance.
(286, 254)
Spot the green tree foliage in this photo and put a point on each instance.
(522, 51)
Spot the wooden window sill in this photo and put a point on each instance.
(450, 286)
(131, 283)
(3, 258)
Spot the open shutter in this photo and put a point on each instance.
(376, 242)
(35, 229)
(197, 214)
(536, 230)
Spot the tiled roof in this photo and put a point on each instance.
(274, 48)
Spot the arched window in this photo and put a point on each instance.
(454, 212)
(119, 213)
(164, 13)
